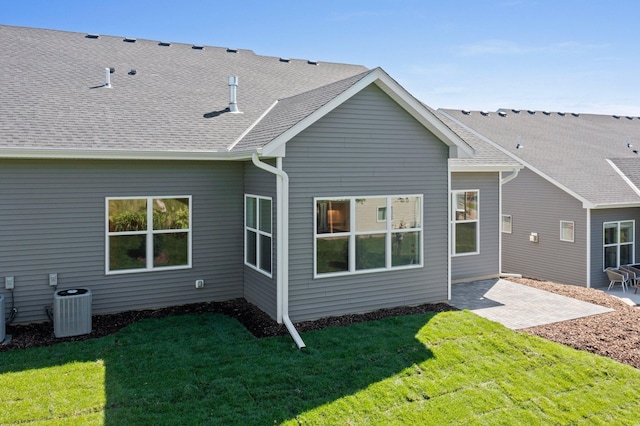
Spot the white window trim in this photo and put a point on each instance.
(632, 243)
(258, 233)
(381, 208)
(454, 222)
(352, 234)
(573, 229)
(149, 235)
(510, 231)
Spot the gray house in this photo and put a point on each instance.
(160, 174)
(573, 210)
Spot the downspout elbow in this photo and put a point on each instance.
(511, 177)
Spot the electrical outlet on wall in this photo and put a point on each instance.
(8, 283)
(199, 283)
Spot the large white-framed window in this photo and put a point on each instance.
(465, 222)
(507, 224)
(355, 235)
(147, 233)
(567, 231)
(258, 233)
(618, 243)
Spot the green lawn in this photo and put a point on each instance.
(447, 368)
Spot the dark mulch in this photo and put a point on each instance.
(256, 321)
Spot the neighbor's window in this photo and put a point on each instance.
(618, 244)
(257, 233)
(148, 233)
(507, 223)
(465, 222)
(365, 234)
(566, 231)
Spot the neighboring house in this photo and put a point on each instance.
(573, 211)
(309, 189)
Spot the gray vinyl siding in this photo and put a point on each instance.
(485, 264)
(259, 289)
(52, 216)
(598, 218)
(536, 205)
(367, 146)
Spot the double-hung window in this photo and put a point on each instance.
(465, 222)
(618, 244)
(148, 233)
(258, 236)
(366, 234)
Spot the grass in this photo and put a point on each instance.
(446, 368)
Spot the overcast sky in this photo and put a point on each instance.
(556, 55)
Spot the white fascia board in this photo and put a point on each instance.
(624, 177)
(615, 206)
(484, 168)
(124, 155)
(585, 203)
(397, 93)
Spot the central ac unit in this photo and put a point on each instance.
(72, 312)
(2, 331)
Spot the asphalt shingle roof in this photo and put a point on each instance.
(176, 100)
(570, 149)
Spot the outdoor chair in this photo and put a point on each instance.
(617, 276)
(634, 276)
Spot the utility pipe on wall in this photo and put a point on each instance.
(282, 244)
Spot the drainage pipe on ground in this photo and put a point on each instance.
(282, 244)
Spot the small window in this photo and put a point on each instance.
(364, 234)
(465, 222)
(507, 223)
(566, 231)
(258, 235)
(148, 233)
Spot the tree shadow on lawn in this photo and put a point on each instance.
(208, 369)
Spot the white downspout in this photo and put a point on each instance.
(509, 178)
(282, 245)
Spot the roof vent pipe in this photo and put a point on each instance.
(233, 87)
(107, 83)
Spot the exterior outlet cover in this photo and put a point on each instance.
(8, 283)
(53, 279)
(533, 237)
(199, 283)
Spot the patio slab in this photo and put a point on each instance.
(518, 306)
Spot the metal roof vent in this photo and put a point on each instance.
(108, 72)
(231, 50)
(233, 87)
(133, 71)
(485, 113)
(164, 43)
(575, 114)
(516, 111)
(629, 118)
(530, 111)
(561, 114)
(197, 47)
(502, 113)
(286, 60)
(617, 117)
(546, 112)
(466, 112)
(310, 62)
(129, 40)
(92, 36)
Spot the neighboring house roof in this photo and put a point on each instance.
(168, 100)
(584, 154)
